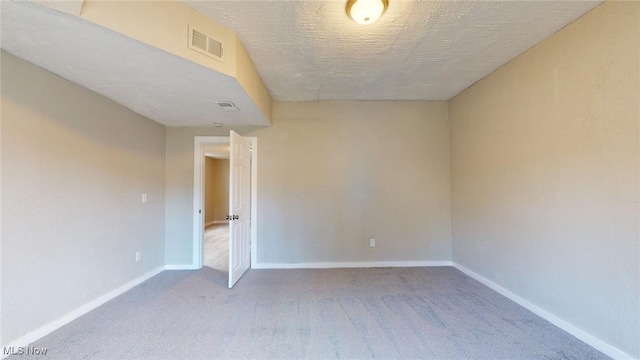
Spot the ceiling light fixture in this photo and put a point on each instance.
(366, 11)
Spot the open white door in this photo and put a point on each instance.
(239, 207)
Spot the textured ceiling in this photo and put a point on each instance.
(418, 50)
(163, 87)
(303, 50)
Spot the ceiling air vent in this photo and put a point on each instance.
(205, 44)
(228, 106)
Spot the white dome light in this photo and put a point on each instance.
(366, 11)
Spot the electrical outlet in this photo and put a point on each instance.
(372, 242)
(138, 255)
(144, 198)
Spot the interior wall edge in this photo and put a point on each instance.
(74, 167)
(545, 173)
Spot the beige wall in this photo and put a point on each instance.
(74, 166)
(169, 22)
(545, 175)
(250, 80)
(331, 175)
(334, 174)
(543, 186)
(164, 25)
(216, 190)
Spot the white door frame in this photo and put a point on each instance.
(198, 192)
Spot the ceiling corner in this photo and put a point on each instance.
(71, 7)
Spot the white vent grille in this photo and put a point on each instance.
(198, 40)
(228, 106)
(205, 44)
(214, 48)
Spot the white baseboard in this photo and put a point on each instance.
(585, 337)
(180, 267)
(338, 265)
(54, 325)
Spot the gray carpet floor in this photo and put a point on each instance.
(380, 313)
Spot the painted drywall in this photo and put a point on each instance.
(216, 190)
(74, 167)
(251, 82)
(71, 7)
(545, 175)
(209, 198)
(332, 175)
(164, 25)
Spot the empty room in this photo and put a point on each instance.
(309, 179)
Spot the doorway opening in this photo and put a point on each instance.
(201, 143)
(216, 207)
